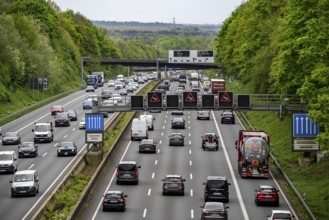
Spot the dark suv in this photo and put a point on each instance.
(62, 119)
(114, 200)
(216, 189)
(127, 172)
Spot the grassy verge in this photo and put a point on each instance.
(63, 207)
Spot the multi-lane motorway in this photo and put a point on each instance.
(145, 200)
(51, 168)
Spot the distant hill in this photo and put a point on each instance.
(133, 29)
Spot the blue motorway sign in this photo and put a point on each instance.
(303, 126)
(94, 122)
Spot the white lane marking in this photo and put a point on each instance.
(188, 116)
(44, 154)
(55, 145)
(189, 142)
(156, 162)
(164, 127)
(144, 213)
(165, 121)
(235, 182)
(65, 136)
(108, 186)
(30, 167)
(145, 113)
(192, 213)
(167, 115)
(189, 128)
(158, 151)
(149, 192)
(73, 129)
(190, 152)
(191, 176)
(191, 192)
(190, 162)
(160, 141)
(153, 174)
(189, 122)
(189, 134)
(162, 134)
(188, 112)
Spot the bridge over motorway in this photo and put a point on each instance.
(156, 64)
(157, 101)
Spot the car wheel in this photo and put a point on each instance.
(118, 182)
(227, 200)
(13, 196)
(132, 138)
(164, 194)
(208, 118)
(277, 204)
(19, 156)
(58, 155)
(221, 122)
(197, 118)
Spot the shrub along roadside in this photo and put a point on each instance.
(62, 207)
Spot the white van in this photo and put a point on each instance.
(25, 182)
(8, 161)
(139, 129)
(149, 120)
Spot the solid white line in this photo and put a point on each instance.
(191, 176)
(31, 166)
(65, 136)
(235, 182)
(190, 162)
(44, 154)
(191, 192)
(144, 213)
(156, 162)
(149, 192)
(192, 213)
(153, 175)
(108, 186)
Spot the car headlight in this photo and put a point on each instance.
(13, 188)
(58, 150)
(19, 150)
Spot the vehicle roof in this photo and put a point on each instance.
(209, 134)
(266, 187)
(174, 175)
(7, 152)
(25, 172)
(113, 192)
(127, 162)
(281, 211)
(216, 178)
(147, 140)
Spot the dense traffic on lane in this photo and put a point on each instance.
(182, 180)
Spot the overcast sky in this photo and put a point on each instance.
(184, 11)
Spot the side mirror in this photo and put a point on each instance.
(36, 146)
(202, 206)
(10, 181)
(36, 180)
(19, 146)
(183, 180)
(32, 130)
(139, 167)
(203, 183)
(162, 180)
(125, 196)
(229, 184)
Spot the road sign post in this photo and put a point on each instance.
(94, 128)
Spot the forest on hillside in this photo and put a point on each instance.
(281, 46)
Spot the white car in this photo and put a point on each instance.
(118, 85)
(116, 97)
(280, 215)
(111, 83)
(110, 102)
(82, 123)
(203, 115)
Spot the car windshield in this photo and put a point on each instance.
(227, 114)
(71, 113)
(11, 134)
(176, 136)
(27, 145)
(218, 184)
(6, 157)
(147, 141)
(127, 167)
(267, 190)
(105, 92)
(173, 179)
(57, 107)
(178, 119)
(42, 128)
(66, 144)
(214, 206)
(61, 116)
(87, 102)
(83, 120)
(23, 177)
(279, 216)
(113, 196)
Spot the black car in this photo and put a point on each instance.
(67, 149)
(11, 138)
(106, 94)
(214, 210)
(127, 172)
(227, 117)
(27, 149)
(178, 123)
(176, 139)
(209, 141)
(73, 116)
(173, 184)
(216, 189)
(62, 119)
(147, 145)
(114, 200)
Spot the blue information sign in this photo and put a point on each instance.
(94, 122)
(303, 126)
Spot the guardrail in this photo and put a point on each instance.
(285, 176)
(76, 168)
(29, 108)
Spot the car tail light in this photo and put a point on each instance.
(136, 173)
(206, 189)
(105, 199)
(121, 200)
(117, 174)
